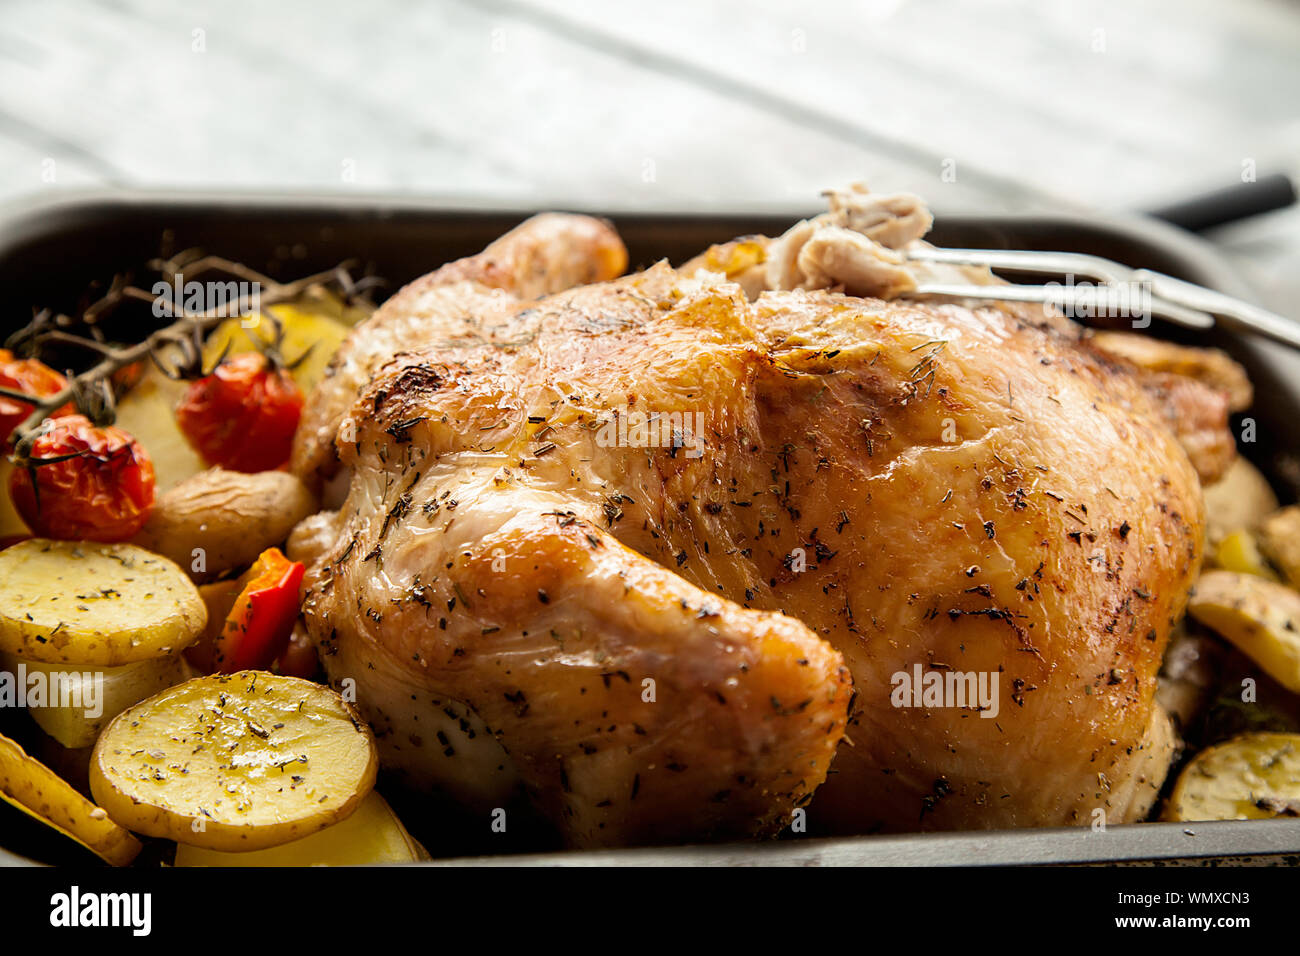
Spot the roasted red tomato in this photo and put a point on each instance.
(243, 415)
(84, 482)
(32, 378)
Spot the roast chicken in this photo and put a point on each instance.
(654, 549)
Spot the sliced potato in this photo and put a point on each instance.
(1279, 537)
(1251, 777)
(370, 836)
(78, 703)
(148, 412)
(38, 791)
(1261, 618)
(1239, 551)
(303, 330)
(1242, 498)
(82, 602)
(218, 520)
(235, 762)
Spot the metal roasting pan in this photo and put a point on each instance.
(53, 246)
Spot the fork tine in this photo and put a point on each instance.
(1051, 263)
(1232, 313)
(1173, 299)
(1113, 299)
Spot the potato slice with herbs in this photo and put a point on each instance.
(38, 791)
(1259, 617)
(235, 762)
(1242, 498)
(1251, 777)
(372, 835)
(86, 603)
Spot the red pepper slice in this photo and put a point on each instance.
(257, 628)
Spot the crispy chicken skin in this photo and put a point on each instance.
(548, 253)
(1002, 502)
(624, 544)
(1194, 388)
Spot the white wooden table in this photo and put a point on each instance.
(1015, 104)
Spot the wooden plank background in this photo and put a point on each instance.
(1005, 105)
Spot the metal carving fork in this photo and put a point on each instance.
(1108, 288)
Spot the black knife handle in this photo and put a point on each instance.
(1223, 206)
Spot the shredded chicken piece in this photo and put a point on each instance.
(892, 220)
(852, 247)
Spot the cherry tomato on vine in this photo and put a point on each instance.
(83, 481)
(32, 378)
(243, 415)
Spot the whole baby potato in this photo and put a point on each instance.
(219, 520)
